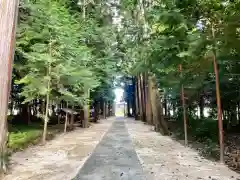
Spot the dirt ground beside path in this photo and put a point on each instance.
(165, 159)
(60, 158)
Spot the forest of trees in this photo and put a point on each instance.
(184, 58)
(178, 56)
(65, 57)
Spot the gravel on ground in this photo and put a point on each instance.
(60, 158)
(163, 158)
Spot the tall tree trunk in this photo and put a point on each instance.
(140, 99)
(42, 107)
(184, 109)
(238, 112)
(201, 107)
(46, 114)
(136, 99)
(165, 106)
(29, 114)
(25, 113)
(148, 101)
(218, 97)
(104, 109)
(133, 98)
(8, 18)
(96, 111)
(233, 117)
(162, 120)
(143, 98)
(72, 119)
(128, 105)
(59, 110)
(158, 119)
(34, 107)
(66, 122)
(86, 110)
(107, 108)
(155, 113)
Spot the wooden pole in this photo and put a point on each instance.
(8, 19)
(184, 109)
(218, 97)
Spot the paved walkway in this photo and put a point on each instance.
(114, 158)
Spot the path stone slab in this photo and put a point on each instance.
(114, 158)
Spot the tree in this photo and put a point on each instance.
(8, 18)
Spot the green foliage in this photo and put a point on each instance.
(181, 32)
(22, 136)
(63, 49)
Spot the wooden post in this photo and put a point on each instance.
(184, 110)
(8, 19)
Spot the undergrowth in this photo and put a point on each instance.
(201, 132)
(21, 136)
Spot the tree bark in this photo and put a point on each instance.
(107, 108)
(201, 107)
(158, 120)
(72, 121)
(86, 111)
(165, 106)
(46, 115)
(148, 101)
(143, 98)
(155, 113)
(96, 111)
(140, 98)
(133, 98)
(66, 122)
(29, 114)
(8, 18)
(136, 99)
(104, 109)
(218, 97)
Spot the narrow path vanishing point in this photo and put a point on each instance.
(114, 157)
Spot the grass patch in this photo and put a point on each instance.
(21, 136)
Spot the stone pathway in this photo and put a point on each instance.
(115, 149)
(114, 158)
